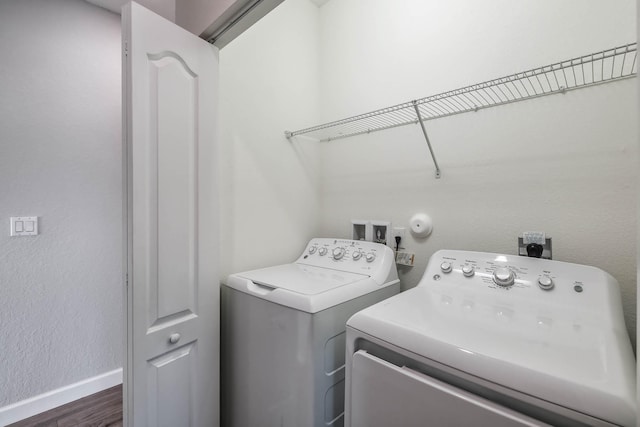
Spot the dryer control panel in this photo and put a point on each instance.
(522, 282)
(355, 256)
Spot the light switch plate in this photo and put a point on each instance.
(24, 226)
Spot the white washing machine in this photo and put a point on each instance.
(283, 333)
(493, 340)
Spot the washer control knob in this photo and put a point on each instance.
(357, 255)
(312, 250)
(337, 253)
(322, 251)
(468, 270)
(545, 282)
(370, 256)
(446, 267)
(504, 277)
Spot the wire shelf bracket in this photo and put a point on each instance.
(426, 137)
(606, 66)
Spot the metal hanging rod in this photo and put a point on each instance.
(588, 70)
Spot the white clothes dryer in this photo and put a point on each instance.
(493, 340)
(283, 333)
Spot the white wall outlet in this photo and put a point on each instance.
(536, 237)
(24, 226)
(399, 231)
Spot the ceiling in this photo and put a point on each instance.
(116, 5)
(112, 5)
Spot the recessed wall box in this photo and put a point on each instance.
(380, 232)
(372, 231)
(361, 230)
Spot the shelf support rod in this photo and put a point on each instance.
(426, 137)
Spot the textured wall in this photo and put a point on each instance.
(268, 185)
(566, 165)
(60, 159)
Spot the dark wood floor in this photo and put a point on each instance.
(103, 409)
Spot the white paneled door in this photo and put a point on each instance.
(172, 298)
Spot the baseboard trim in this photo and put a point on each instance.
(52, 399)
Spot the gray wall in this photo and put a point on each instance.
(60, 160)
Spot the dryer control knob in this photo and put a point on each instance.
(545, 282)
(370, 257)
(446, 267)
(504, 277)
(468, 270)
(312, 250)
(322, 251)
(356, 255)
(337, 253)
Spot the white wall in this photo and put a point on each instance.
(268, 185)
(60, 159)
(565, 165)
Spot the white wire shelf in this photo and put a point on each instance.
(602, 67)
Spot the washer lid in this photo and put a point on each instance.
(304, 287)
(301, 279)
(577, 363)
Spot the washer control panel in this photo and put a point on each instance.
(346, 255)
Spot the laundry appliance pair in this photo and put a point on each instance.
(483, 340)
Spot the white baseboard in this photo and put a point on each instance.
(52, 399)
